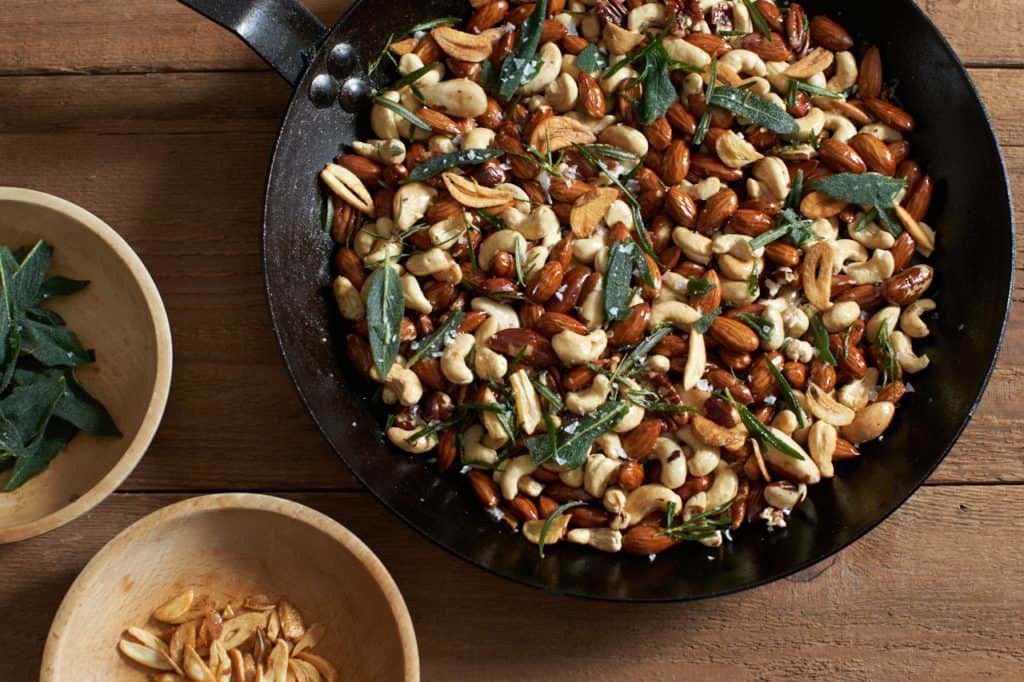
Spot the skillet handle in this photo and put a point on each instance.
(283, 32)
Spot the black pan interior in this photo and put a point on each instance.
(972, 215)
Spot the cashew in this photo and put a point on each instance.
(846, 73)
(870, 422)
(504, 316)
(619, 40)
(740, 18)
(551, 65)
(594, 125)
(826, 228)
(478, 138)
(625, 137)
(840, 316)
(680, 315)
(562, 93)
(456, 97)
(703, 190)
(624, 75)
(618, 212)
(839, 126)
(786, 422)
(382, 251)
(673, 462)
(731, 267)
(598, 473)
(383, 121)
(694, 245)
(784, 495)
(402, 438)
(682, 51)
(821, 441)
(532, 529)
(586, 401)
(414, 297)
(645, 16)
(880, 267)
(856, 394)
(453, 360)
(798, 350)
(510, 471)
(702, 459)
(444, 233)
(404, 384)
(758, 85)
(801, 470)
(889, 315)
(528, 410)
(364, 240)
(882, 132)
(695, 360)
(736, 152)
(603, 539)
(778, 333)
(381, 151)
(911, 322)
(796, 321)
(872, 235)
(644, 501)
(574, 349)
(698, 504)
(592, 308)
(411, 62)
(774, 174)
(723, 488)
(440, 144)
(610, 444)
(540, 224)
(826, 408)
(909, 361)
(572, 477)
(350, 303)
(521, 202)
(744, 62)
(736, 244)
(501, 240)
(811, 123)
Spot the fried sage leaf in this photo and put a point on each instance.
(863, 189)
(754, 108)
(519, 66)
(574, 439)
(385, 306)
(463, 157)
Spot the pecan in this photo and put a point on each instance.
(773, 48)
(612, 11)
(796, 29)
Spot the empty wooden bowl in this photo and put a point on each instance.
(121, 316)
(231, 546)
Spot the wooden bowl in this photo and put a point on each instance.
(229, 546)
(121, 316)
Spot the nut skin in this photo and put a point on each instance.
(675, 163)
(829, 34)
(723, 380)
(717, 211)
(681, 120)
(640, 441)
(870, 77)
(523, 508)
(822, 374)
(681, 207)
(693, 485)
(752, 222)
(578, 378)
(365, 169)
(841, 157)
(890, 114)
(771, 14)
(796, 29)
(659, 136)
(919, 199)
(485, 489)
(902, 251)
(782, 254)
(545, 283)
(447, 449)
(734, 335)
(551, 323)
(874, 153)
(714, 45)
(645, 540)
(589, 517)
(564, 300)
(511, 342)
(706, 166)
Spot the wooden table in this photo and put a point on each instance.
(162, 124)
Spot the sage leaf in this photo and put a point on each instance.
(38, 454)
(763, 327)
(431, 346)
(863, 189)
(591, 59)
(641, 350)
(704, 322)
(519, 65)
(700, 286)
(622, 258)
(755, 109)
(78, 407)
(28, 408)
(658, 91)
(574, 440)
(52, 345)
(30, 275)
(385, 306)
(10, 337)
(463, 157)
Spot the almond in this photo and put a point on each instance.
(870, 76)
(874, 152)
(909, 285)
(751, 222)
(645, 540)
(771, 14)
(890, 114)
(365, 169)
(568, 294)
(817, 61)
(844, 450)
(902, 251)
(680, 119)
(640, 441)
(559, 132)
(710, 301)
(706, 166)
(591, 96)
(828, 33)
(545, 283)
(403, 47)
(681, 207)
(589, 210)
(589, 517)
(630, 331)
(658, 134)
(772, 49)
(841, 157)
(782, 254)
(552, 31)
(550, 324)
(734, 335)
(486, 490)
(714, 45)
(511, 342)
(439, 123)
(867, 296)
(568, 189)
(717, 210)
(574, 44)
(919, 199)
(675, 163)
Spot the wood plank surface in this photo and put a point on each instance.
(162, 124)
(880, 610)
(70, 36)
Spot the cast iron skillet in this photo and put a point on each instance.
(972, 214)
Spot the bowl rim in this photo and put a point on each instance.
(193, 506)
(164, 352)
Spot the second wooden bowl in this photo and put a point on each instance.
(229, 546)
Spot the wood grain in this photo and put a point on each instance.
(878, 610)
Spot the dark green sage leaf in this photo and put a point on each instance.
(700, 286)
(638, 352)
(591, 59)
(754, 108)
(863, 189)
(78, 407)
(519, 64)
(796, 192)
(463, 157)
(658, 91)
(763, 327)
(574, 439)
(385, 306)
(40, 452)
(618, 279)
(10, 337)
(54, 346)
(30, 275)
(704, 323)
